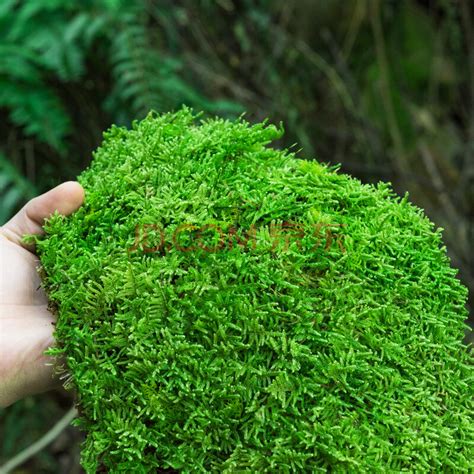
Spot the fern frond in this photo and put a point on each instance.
(38, 110)
(40, 40)
(145, 76)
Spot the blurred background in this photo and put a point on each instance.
(385, 88)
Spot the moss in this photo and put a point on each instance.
(247, 346)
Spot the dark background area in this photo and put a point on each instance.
(385, 88)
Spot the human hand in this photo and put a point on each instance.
(26, 325)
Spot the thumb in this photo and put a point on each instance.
(65, 199)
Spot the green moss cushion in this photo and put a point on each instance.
(226, 307)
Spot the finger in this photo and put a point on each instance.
(65, 199)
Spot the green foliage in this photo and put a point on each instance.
(255, 359)
(147, 78)
(46, 43)
(39, 41)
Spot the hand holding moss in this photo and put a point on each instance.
(26, 325)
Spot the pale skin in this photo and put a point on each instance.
(26, 325)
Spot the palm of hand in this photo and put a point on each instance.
(26, 325)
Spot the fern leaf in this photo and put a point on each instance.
(37, 110)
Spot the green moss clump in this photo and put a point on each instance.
(336, 350)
